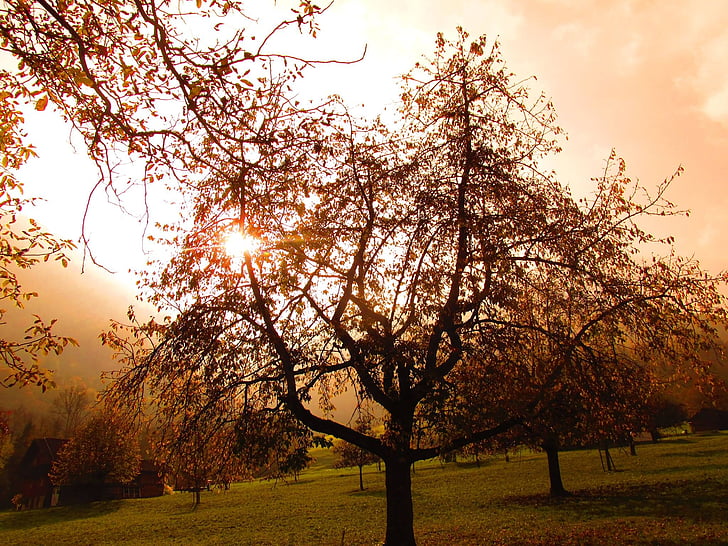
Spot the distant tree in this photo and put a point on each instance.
(200, 458)
(71, 405)
(351, 455)
(579, 370)
(23, 245)
(385, 256)
(103, 451)
(6, 441)
(663, 413)
(275, 444)
(190, 431)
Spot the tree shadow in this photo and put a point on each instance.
(380, 493)
(27, 519)
(697, 453)
(703, 500)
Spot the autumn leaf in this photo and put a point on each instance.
(42, 103)
(195, 90)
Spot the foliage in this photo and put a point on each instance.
(663, 413)
(191, 433)
(199, 458)
(275, 444)
(103, 451)
(389, 257)
(351, 455)
(6, 441)
(23, 245)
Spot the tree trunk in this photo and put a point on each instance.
(608, 457)
(551, 447)
(361, 478)
(400, 516)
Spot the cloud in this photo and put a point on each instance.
(716, 105)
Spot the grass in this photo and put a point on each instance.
(674, 492)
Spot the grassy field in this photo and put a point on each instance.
(675, 492)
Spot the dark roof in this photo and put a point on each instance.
(148, 465)
(46, 448)
(710, 413)
(710, 418)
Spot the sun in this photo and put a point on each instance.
(238, 244)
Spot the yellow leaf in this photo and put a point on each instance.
(42, 103)
(195, 90)
(199, 4)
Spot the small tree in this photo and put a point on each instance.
(6, 441)
(200, 457)
(349, 455)
(104, 451)
(274, 443)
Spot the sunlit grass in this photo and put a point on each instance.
(675, 492)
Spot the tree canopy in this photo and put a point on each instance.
(103, 451)
(387, 256)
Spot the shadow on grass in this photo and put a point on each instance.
(696, 468)
(696, 453)
(380, 493)
(28, 519)
(697, 500)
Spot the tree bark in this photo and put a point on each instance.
(361, 478)
(400, 515)
(608, 457)
(551, 447)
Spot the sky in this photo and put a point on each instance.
(646, 78)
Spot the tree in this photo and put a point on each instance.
(352, 455)
(663, 413)
(104, 451)
(385, 257)
(200, 457)
(397, 256)
(71, 405)
(274, 444)
(6, 441)
(192, 434)
(23, 245)
(578, 369)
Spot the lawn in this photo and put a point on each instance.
(674, 492)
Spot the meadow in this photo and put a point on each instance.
(673, 492)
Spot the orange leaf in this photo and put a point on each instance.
(42, 103)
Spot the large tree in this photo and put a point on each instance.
(580, 368)
(384, 257)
